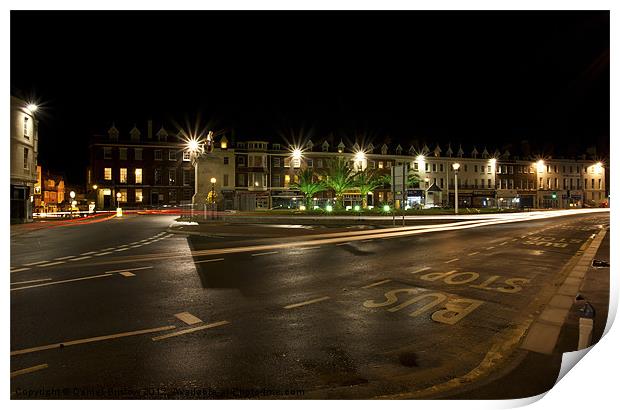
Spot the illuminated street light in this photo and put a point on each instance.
(72, 194)
(95, 186)
(420, 158)
(598, 167)
(386, 208)
(540, 165)
(360, 156)
(456, 167)
(296, 154)
(329, 208)
(193, 145)
(356, 208)
(32, 107)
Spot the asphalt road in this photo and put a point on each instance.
(421, 312)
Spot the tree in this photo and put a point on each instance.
(367, 181)
(308, 185)
(339, 177)
(413, 179)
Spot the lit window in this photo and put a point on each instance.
(287, 162)
(223, 144)
(138, 175)
(187, 156)
(287, 180)
(380, 164)
(296, 162)
(123, 176)
(123, 195)
(158, 155)
(107, 174)
(139, 195)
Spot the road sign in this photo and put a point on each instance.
(398, 179)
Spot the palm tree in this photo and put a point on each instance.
(308, 185)
(340, 177)
(413, 179)
(367, 181)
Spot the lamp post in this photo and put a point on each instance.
(119, 210)
(456, 167)
(213, 181)
(72, 196)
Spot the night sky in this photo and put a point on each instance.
(487, 78)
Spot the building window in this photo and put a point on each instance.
(240, 161)
(107, 152)
(319, 163)
(26, 163)
(187, 156)
(465, 166)
(225, 180)
(434, 167)
(172, 196)
(296, 162)
(139, 195)
(489, 183)
(275, 181)
(241, 180)
(158, 155)
(187, 195)
(599, 184)
(225, 160)
(172, 176)
(26, 133)
(122, 153)
(187, 176)
(310, 163)
(123, 193)
(287, 162)
(157, 176)
(138, 175)
(287, 180)
(138, 154)
(488, 169)
(426, 168)
(380, 164)
(123, 176)
(172, 155)
(592, 186)
(107, 174)
(276, 162)
(441, 167)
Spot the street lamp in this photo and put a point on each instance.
(213, 181)
(456, 167)
(32, 107)
(119, 211)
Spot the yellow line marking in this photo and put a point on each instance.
(30, 281)
(264, 253)
(309, 302)
(62, 281)
(188, 318)
(81, 258)
(376, 283)
(421, 269)
(127, 269)
(190, 330)
(52, 264)
(29, 370)
(34, 263)
(210, 260)
(452, 260)
(127, 274)
(19, 270)
(91, 340)
(473, 253)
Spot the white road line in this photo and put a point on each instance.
(309, 302)
(90, 340)
(102, 253)
(503, 243)
(29, 370)
(190, 330)
(421, 269)
(209, 260)
(308, 248)
(514, 239)
(19, 270)
(188, 318)
(473, 253)
(81, 258)
(108, 249)
(64, 257)
(490, 247)
(53, 263)
(452, 260)
(30, 281)
(376, 283)
(34, 263)
(121, 249)
(135, 246)
(129, 269)
(62, 281)
(88, 253)
(127, 274)
(264, 253)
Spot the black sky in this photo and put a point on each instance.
(487, 78)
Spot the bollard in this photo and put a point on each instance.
(586, 326)
(119, 212)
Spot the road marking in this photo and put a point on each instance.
(421, 269)
(309, 248)
(473, 253)
(91, 340)
(452, 260)
(210, 260)
(34, 263)
(309, 302)
(127, 274)
(188, 318)
(62, 281)
(503, 243)
(514, 240)
(190, 330)
(121, 249)
(135, 246)
(376, 283)
(125, 270)
(29, 370)
(367, 240)
(490, 247)
(88, 253)
(64, 257)
(344, 243)
(108, 249)
(81, 258)
(30, 281)
(19, 270)
(264, 253)
(52, 264)
(102, 253)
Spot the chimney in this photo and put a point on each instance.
(149, 126)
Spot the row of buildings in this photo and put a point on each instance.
(156, 168)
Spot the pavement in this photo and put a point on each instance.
(136, 307)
